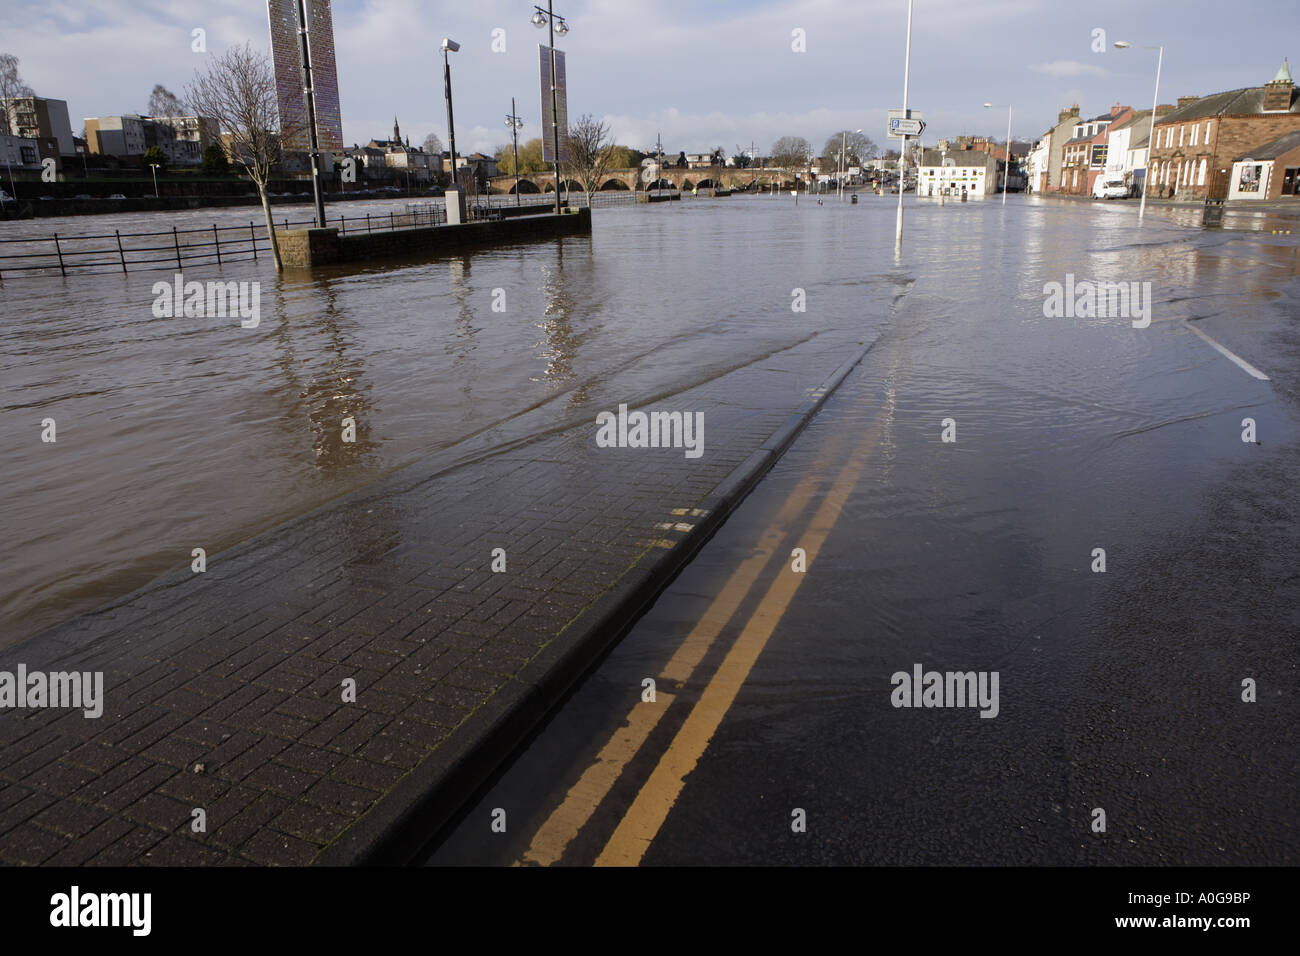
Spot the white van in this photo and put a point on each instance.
(1109, 187)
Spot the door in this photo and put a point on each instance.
(1289, 178)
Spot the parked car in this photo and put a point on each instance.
(5, 197)
(84, 196)
(1109, 187)
(117, 196)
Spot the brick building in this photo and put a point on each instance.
(1197, 143)
(1084, 154)
(1268, 171)
(1058, 135)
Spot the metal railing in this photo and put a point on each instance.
(176, 248)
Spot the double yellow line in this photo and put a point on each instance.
(644, 818)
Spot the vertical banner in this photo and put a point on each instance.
(561, 100)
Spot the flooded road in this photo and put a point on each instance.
(776, 735)
(185, 432)
(177, 433)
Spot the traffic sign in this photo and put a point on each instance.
(905, 123)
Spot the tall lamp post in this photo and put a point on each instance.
(1151, 131)
(451, 46)
(309, 100)
(556, 24)
(844, 163)
(154, 168)
(515, 124)
(1006, 176)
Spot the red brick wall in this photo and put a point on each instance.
(1230, 137)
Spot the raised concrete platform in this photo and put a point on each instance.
(306, 248)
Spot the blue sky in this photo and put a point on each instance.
(702, 74)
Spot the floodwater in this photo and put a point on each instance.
(182, 432)
(1123, 688)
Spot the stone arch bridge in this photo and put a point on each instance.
(623, 180)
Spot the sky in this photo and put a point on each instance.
(701, 74)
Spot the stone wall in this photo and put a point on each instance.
(304, 248)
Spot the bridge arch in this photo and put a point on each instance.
(614, 184)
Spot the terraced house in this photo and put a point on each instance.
(1084, 155)
(1196, 144)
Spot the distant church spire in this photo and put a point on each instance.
(397, 133)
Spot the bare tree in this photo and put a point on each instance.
(163, 103)
(433, 145)
(791, 155)
(238, 91)
(11, 87)
(590, 152)
(857, 149)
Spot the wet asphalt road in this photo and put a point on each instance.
(1119, 691)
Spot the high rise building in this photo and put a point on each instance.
(286, 53)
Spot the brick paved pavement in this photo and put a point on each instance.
(224, 689)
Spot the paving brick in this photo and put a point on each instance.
(314, 824)
(278, 849)
(159, 811)
(242, 671)
(177, 850)
(240, 829)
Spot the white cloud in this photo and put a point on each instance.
(1068, 68)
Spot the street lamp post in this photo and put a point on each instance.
(902, 152)
(844, 162)
(515, 124)
(1006, 176)
(1151, 130)
(556, 24)
(450, 46)
(154, 168)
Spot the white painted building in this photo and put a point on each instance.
(1036, 164)
(959, 171)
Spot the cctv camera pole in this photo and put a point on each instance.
(555, 103)
(309, 97)
(451, 123)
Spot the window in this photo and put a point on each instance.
(1289, 181)
(1207, 132)
(1180, 135)
(1195, 132)
(1249, 181)
(1200, 176)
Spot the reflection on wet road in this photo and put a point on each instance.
(1077, 445)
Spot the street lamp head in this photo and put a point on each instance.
(561, 27)
(988, 106)
(1123, 44)
(450, 46)
(539, 19)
